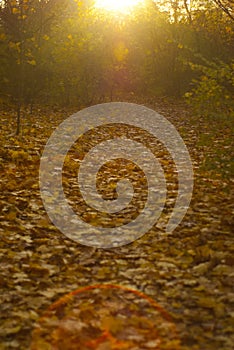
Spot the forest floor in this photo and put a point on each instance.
(189, 274)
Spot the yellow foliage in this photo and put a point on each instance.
(15, 10)
(120, 52)
(2, 37)
(15, 46)
(32, 62)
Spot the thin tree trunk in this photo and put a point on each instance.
(21, 72)
(18, 125)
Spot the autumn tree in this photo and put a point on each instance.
(25, 25)
(67, 52)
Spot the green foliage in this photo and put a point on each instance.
(212, 92)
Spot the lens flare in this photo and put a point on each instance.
(105, 316)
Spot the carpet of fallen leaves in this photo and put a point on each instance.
(189, 273)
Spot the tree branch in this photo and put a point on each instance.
(226, 8)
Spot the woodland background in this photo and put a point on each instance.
(174, 56)
(69, 53)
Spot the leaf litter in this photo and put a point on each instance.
(189, 273)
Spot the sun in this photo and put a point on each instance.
(122, 6)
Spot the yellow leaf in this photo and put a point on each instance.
(2, 36)
(207, 302)
(15, 46)
(15, 10)
(32, 62)
(11, 216)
